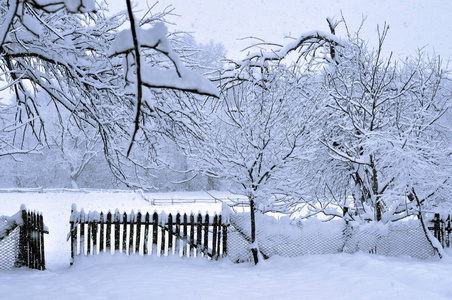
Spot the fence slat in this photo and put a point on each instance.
(36, 252)
(225, 239)
(41, 233)
(206, 235)
(88, 235)
(170, 234)
(101, 233)
(138, 239)
(82, 232)
(31, 244)
(146, 234)
(108, 233)
(192, 234)
(124, 233)
(73, 234)
(117, 229)
(184, 242)
(199, 234)
(155, 221)
(214, 236)
(177, 242)
(132, 229)
(219, 223)
(163, 233)
(94, 233)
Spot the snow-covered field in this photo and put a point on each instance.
(341, 276)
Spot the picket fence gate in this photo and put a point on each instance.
(32, 240)
(22, 240)
(190, 235)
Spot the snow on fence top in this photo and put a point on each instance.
(146, 234)
(81, 216)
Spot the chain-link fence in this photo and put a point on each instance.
(284, 238)
(9, 243)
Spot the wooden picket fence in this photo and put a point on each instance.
(147, 234)
(441, 229)
(32, 253)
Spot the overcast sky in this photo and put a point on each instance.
(413, 23)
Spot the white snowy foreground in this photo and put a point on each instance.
(340, 276)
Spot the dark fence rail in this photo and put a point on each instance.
(22, 240)
(147, 234)
(441, 228)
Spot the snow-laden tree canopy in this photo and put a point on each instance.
(388, 148)
(74, 55)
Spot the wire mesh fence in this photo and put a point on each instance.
(9, 243)
(283, 238)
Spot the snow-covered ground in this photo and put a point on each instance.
(340, 276)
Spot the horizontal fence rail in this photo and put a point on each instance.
(147, 234)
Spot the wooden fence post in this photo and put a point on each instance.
(219, 236)
(437, 227)
(73, 233)
(39, 230)
(43, 260)
(225, 239)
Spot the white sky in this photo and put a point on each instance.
(413, 23)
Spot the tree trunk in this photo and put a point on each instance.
(210, 183)
(74, 184)
(374, 179)
(254, 248)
